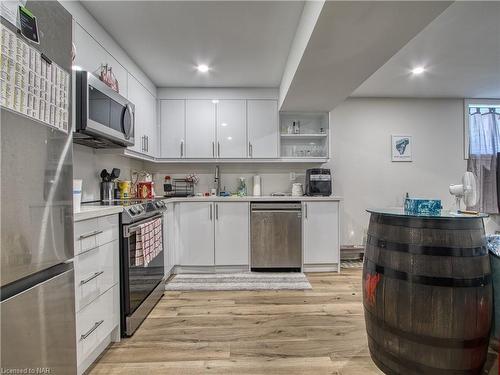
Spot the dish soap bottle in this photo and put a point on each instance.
(242, 188)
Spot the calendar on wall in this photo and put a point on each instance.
(31, 84)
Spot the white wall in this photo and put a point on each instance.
(361, 161)
(88, 163)
(274, 177)
(85, 19)
(217, 93)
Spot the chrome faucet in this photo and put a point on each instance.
(217, 180)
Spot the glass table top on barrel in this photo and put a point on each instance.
(445, 214)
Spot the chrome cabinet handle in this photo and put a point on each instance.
(213, 149)
(250, 149)
(147, 144)
(218, 149)
(305, 209)
(89, 332)
(182, 149)
(210, 212)
(91, 277)
(216, 211)
(90, 234)
(143, 143)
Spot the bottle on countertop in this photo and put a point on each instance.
(242, 188)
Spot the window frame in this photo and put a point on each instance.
(470, 103)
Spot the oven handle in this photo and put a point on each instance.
(129, 229)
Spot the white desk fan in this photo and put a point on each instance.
(467, 191)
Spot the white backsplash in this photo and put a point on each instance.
(274, 178)
(88, 163)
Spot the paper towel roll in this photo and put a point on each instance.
(256, 185)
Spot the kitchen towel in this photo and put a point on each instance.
(148, 243)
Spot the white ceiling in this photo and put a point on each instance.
(461, 51)
(350, 41)
(246, 43)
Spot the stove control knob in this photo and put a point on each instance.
(132, 211)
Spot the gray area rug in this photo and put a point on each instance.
(240, 281)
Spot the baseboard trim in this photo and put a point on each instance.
(331, 267)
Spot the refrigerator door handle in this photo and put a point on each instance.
(89, 332)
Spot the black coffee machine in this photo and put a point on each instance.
(318, 182)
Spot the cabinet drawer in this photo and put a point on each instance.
(94, 232)
(95, 322)
(96, 271)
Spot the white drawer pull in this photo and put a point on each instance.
(91, 277)
(86, 235)
(89, 332)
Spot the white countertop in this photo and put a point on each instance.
(250, 198)
(92, 211)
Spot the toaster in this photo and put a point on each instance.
(318, 182)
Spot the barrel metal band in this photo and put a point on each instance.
(427, 250)
(427, 280)
(427, 340)
(407, 363)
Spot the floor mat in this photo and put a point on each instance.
(240, 281)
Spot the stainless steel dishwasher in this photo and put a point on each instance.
(276, 236)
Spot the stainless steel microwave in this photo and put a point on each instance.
(104, 118)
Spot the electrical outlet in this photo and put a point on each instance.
(293, 176)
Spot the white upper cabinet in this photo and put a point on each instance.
(263, 130)
(145, 131)
(200, 129)
(231, 233)
(90, 55)
(231, 129)
(321, 232)
(172, 128)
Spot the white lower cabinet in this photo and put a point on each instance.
(321, 238)
(94, 324)
(213, 233)
(97, 295)
(231, 233)
(216, 234)
(196, 234)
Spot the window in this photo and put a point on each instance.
(482, 127)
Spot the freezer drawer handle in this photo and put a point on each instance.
(91, 277)
(89, 332)
(87, 235)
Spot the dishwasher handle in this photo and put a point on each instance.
(277, 211)
(276, 207)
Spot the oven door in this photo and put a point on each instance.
(142, 271)
(102, 112)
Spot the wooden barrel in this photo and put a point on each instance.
(427, 294)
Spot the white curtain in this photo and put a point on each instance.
(484, 146)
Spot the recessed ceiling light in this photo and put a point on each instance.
(418, 70)
(223, 124)
(229, 138)
(215, 101)
(202, 68)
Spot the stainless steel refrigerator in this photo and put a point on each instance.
(37, 309)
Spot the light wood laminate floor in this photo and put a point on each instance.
(319, 331)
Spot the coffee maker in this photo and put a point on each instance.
(318, 182)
